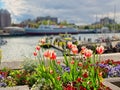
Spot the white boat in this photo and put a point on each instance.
(50, 29)
(2, 41)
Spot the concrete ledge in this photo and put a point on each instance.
(107, 82)
(11, 65)
(25, 87)
(17, 64)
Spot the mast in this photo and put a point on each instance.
(114, 18)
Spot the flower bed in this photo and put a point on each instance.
(83, 72)
(110, 68)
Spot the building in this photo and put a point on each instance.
(14, 30)
(107, 20)
(5, 18)
(53, 19)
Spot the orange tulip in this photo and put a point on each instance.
(74, 50)
(83, 49)
(47, 54)
(58, 78)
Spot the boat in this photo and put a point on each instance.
(2, 41)
(45, 42)
(50, 30)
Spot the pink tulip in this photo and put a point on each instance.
(69, 44)
(88, 53)
(83, 48)
(100, 49)
(42, 40)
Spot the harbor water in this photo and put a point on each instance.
(20, 48)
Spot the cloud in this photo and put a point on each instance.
(76, 11)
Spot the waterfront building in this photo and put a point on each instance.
(107, 20)
(5, 18)
(14, 30)
(53, 19)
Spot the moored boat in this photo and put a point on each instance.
(50, 29)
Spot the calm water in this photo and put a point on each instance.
(17, 48)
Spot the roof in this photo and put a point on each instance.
(14, 28)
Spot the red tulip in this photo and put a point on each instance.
(35, 53)
(52, 55)
(38, 48)
(58, 62)
(82, 88)
(85, 75)
(72, 62)
(100, 49)
(80, 64)
(79, 79)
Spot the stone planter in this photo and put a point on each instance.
(25, 87)
(113, 83)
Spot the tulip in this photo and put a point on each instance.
(85, 75)
(80, 64)
(100, 49)
(47, 54)
(35, 53)
(58, 78)
(38, 48)
(75, 50)
(58, 62)
(79, 79)
(43, 40)
(83, 49)
(52, 55)
(51, 71)
(72, 62)
(69, 45)
(88, 53)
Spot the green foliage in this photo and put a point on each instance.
(29, 65)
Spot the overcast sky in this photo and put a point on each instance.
(74, 11)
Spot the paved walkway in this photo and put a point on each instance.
(17, 64)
